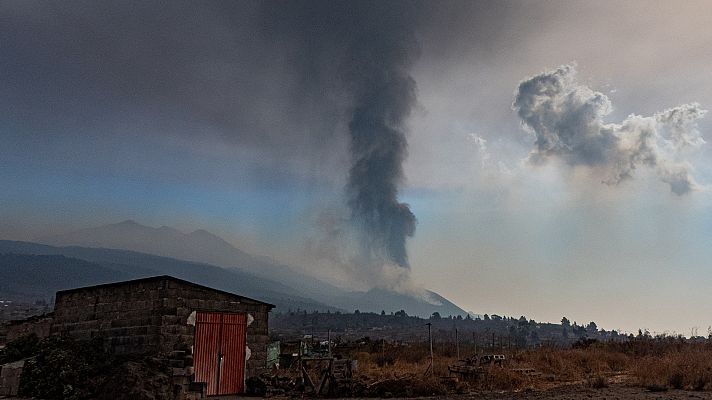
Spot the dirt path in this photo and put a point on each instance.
(578, 392)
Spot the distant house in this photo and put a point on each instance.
(209, 336)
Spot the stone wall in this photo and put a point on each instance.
(182, 301)
(126, 317)
(38, 325)
(151, 316)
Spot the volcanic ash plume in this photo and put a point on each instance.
(361, 53)
(567, 120)
(383, 96)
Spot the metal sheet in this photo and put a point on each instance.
(219, 352)
(232, 346)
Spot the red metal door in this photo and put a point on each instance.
(206, 349)
(219, 352)
(232, 347)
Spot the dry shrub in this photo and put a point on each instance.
(370, 368)
(498, 378)
(597, 381)
(573, 363)
(653, 363)
(689, 369)
(398, 379)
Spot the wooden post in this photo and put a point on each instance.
(430, 340)
(457, 344)
(474, 340)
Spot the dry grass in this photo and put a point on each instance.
(690, 369)
(397, 376)
(654, 364)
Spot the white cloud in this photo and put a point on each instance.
(567, 119)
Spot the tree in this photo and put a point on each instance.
(357, 312)
(565, 325)
(435, 316)
(486, 317)
(383, 312)
(401, 313)
(592, 327)
(579, 330)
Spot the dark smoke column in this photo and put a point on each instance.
(383, 94)
(363, 50)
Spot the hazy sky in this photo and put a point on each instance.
(590, 197)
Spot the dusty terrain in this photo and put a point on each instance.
(579, 391)
(576, 392)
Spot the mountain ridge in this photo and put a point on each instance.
(132, 265)
(202, 246)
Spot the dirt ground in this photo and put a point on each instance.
(578, 392)
(581, 392)
(619, 388)
(563, 392)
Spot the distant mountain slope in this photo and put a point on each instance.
(25, 277)
(199, 246)
(129, 265)
(205, 247)
(377, 300)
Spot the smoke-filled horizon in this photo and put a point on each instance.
(555, 153)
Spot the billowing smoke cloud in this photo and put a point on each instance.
(364, 51)
(567, 119)
(384, 93)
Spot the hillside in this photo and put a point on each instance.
(198, 246)
(26, 277)
(204, 247)
(83, 266)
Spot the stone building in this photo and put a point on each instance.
(215, 340)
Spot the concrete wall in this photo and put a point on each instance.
(10, 378)
(152, 317)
